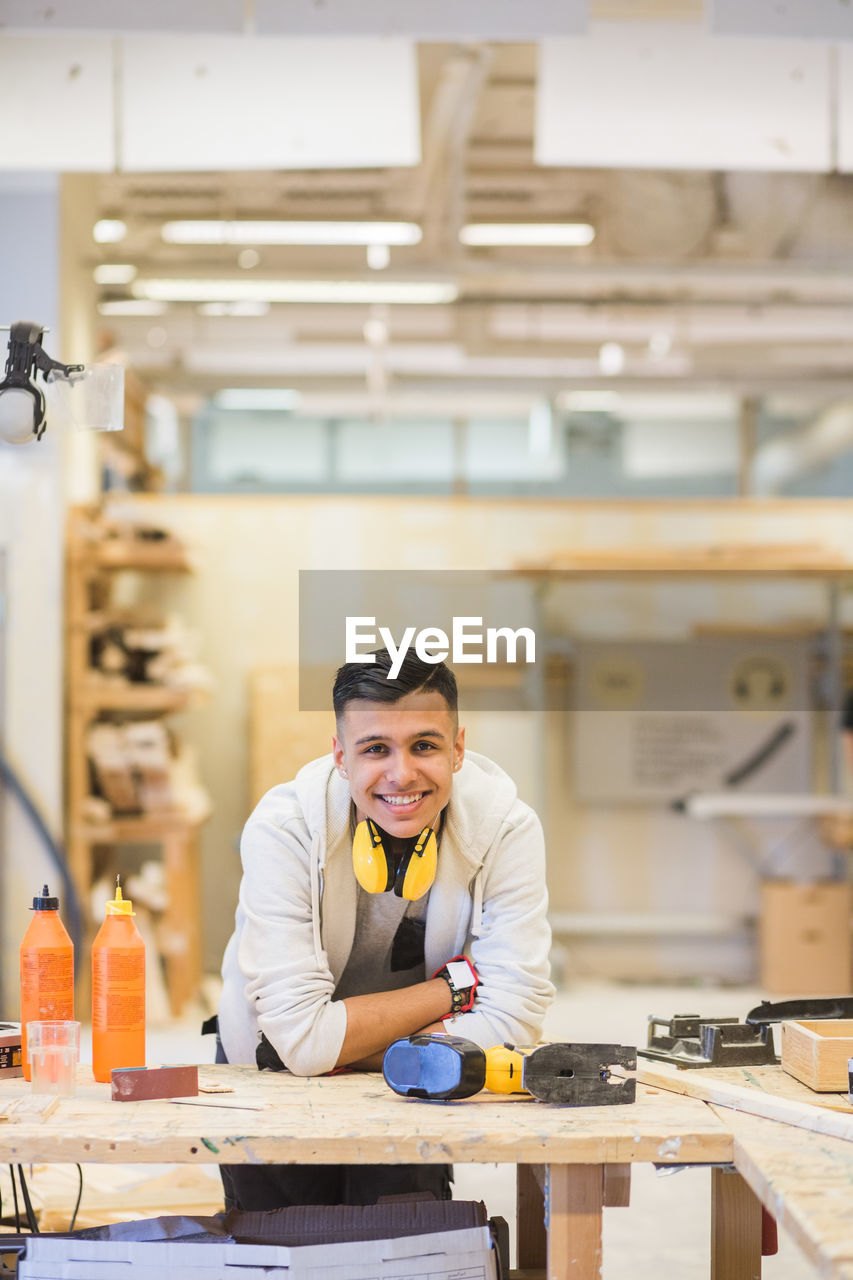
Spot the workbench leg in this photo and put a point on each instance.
(735, 1228)
(573, 1205)
(530, 1217)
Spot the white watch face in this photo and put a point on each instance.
(460, 975)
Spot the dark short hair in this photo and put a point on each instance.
(370, 681)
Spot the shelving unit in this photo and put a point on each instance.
(93, 561)
(833, 571)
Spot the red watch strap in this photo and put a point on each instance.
(462, 980)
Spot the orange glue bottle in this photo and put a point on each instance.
(47, 970)
(118, 991)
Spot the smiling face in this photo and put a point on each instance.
(399, 759)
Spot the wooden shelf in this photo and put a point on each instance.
(167, 556)
(91, 566)
(735, 560)
(140, 828)
(152, 698)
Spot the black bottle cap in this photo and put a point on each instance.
(45, 902)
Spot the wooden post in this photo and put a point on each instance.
(573, 1200)
(530, 1217)
(735, 1228)
(617, 1186)
(181, 924)
(747, 430)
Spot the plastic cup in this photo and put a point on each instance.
(53, 1049)
(92, 400)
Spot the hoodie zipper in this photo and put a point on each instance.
(316, 894)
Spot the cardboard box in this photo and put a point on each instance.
(464, 1253)
(804, 938)
(398, 1239)
(10, 1050)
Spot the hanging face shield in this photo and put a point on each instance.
(23, 409)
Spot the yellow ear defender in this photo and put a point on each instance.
(374, 865)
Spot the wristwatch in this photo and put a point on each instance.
(461, 976)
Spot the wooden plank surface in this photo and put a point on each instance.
(356, 1119)
(28, 1106)
(805, 1180)
(762, 1091)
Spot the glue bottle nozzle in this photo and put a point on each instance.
(120, 906)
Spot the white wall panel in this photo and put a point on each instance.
(666, 96)
(244, 103)
(815, 19)
(844, 99)
(31, 532)
(436, 20)
(56, 102)
(124, 15)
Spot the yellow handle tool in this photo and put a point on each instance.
(504, 1069)
(575, 1074)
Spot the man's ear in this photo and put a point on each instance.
(338, 753)
(458, 750)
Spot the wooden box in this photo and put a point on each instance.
(817, 1053)
(804, 938)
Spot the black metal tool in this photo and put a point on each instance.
(575, 1075)
(693, 1041)
(811, 1009)
(444, 1068)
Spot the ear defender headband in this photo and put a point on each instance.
(374, 865)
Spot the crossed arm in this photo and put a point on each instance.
(374, 1021)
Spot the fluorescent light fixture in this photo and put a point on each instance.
(132, 307)
(366, 292)
(246, 308)
(556, 234)
(268, 399)
(216, 231)
(114, 273)
(109, 230)
(589, 401)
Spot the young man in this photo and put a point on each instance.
(324, 972)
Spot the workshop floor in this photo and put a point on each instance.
(664, 1233)
(666, 1230)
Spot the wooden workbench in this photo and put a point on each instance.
(571, 1160)
(792, 1147)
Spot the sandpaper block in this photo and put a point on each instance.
(139, 1084)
